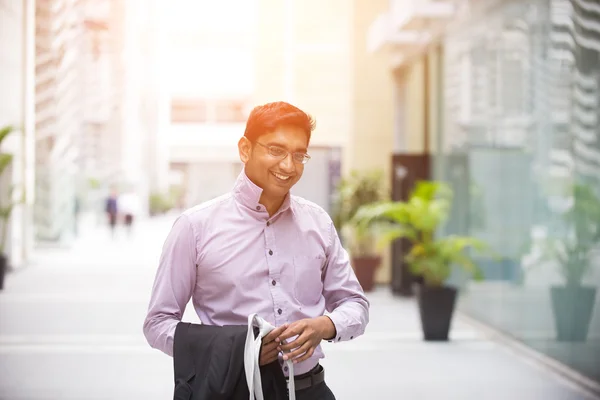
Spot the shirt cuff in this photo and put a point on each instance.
(343, 332)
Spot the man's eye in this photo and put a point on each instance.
(277, 151)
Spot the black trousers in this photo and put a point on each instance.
(316, 392)
(319, 391)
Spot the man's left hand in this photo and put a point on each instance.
(310, 332)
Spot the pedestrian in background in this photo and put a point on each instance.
(112, 211)
(129, 208)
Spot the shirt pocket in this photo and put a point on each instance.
(308, 281)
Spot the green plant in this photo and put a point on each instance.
(354, 191)
(572, 250)
(159, 203)
(94, 183)
(418, 220)
(6, 209)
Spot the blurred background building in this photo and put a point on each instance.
(502, 100)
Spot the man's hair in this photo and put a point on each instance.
(268, 117)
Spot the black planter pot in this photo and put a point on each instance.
(436, 306)
(3, 269)
(572, 307)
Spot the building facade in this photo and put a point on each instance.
(314, 54)
(96, 107)
(17, 65)
(503, 99)
(58, 116)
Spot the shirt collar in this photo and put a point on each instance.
(248, 194)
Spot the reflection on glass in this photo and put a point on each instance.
(523, 126)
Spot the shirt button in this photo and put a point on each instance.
(279, 311)
(340, 338)
(285, 369)
(270, 252)
(273, 282)
(351, 337)
(268, 223)
(257, 208)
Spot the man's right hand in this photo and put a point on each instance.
(268, 350)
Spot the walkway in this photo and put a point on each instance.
(70, 328)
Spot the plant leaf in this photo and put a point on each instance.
(5, 131)
(5, 160)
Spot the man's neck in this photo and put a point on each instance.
(272, 204)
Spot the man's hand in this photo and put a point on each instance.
(268, 350)
(310, 332)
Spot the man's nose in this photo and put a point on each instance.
(287, 163)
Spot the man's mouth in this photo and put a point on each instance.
(281, 177)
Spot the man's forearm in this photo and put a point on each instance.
(327, 327)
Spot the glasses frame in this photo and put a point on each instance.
(305, 156)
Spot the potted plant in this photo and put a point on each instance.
(572, 301)
(5, 209)
(431, 258)
(354, 191)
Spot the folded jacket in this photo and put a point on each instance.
(209, 363)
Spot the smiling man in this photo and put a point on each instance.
(261, 250)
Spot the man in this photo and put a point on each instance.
(129, 207)
(112, 210)
(260, 250)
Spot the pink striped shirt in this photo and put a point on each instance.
(233, 260)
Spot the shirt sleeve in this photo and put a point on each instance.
(346, 303)
(173, 285)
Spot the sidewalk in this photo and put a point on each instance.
(70, 328)
(393, 361)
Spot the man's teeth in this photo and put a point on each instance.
(282, 177)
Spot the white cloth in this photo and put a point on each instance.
(251, 355)
(129, 203)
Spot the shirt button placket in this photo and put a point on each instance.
(273, 276)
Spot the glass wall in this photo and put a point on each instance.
(520, 143)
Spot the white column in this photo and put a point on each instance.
(28, 126)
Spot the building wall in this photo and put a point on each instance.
(303, 56)
(58, 114)
(314, 55)
(16, 72)
(520, 100)
(372, 109)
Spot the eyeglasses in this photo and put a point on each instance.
(281, 153)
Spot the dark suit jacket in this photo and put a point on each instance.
(209, 365)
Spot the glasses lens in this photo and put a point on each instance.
(277, 151)
(301, 158)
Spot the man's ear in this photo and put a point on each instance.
(245, 149)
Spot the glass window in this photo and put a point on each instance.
(526, 131)
(188, 111)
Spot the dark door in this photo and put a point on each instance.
(407, 170)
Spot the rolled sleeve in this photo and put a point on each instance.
(173, 285)
(346, 303)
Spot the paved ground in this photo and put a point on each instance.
(70, 328)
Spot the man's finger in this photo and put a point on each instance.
(305, 356)
(268, 358)
(295, 344)
(271, 336)
(297, 352)
(299, 341)
(271, 346)
(292, 330)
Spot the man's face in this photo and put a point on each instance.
(274, 174)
